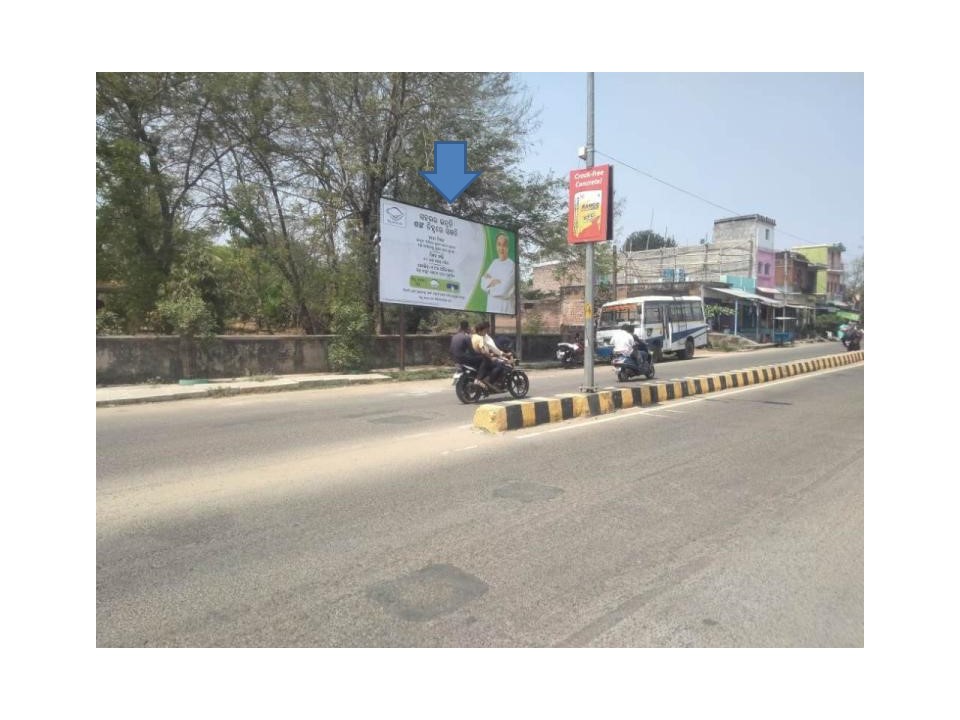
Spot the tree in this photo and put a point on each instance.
(854, 285)
(258, 190)
(647, 240)
(151, 154)
(289, 168)
(377, 131)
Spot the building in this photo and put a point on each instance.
(830, 271)
(768, 291)
(757, 232)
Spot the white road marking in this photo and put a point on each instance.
(456, 450)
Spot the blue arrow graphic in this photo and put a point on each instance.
(450, 176)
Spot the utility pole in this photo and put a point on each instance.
(615, 295)
(589, 338)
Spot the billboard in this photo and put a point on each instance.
(437, 260)
(590, 211)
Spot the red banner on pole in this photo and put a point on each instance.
(590, 215)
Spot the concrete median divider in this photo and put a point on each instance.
(529, 412)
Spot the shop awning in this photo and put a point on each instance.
(846, 315)
(744, 295)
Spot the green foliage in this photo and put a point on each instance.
(290, 168)
(351, 350)
(827, 322)
(854, 284)
(186, 314)
(192, 302)
(529, 293)
(533, 323)
(647, 240)
(714, 311)
(109, 323)
(150, 156)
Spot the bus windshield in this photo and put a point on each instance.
(613, 316)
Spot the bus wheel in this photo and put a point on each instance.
(658, 354)
(689, 349)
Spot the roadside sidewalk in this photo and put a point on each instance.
(222, 387)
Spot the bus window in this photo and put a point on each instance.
(651, 313)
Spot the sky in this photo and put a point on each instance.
(789, 146)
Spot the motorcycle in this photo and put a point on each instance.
(514, 381)
(569, 354)
(626, 367)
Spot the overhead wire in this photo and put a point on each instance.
(686, 192)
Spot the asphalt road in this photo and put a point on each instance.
(735, 519)
(138, 440)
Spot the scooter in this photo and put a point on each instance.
(627, 367)
(569, 354)
(514, 381)
(851, 340)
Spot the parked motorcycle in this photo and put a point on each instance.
(627, 367)
(570, 354)
(514, 381)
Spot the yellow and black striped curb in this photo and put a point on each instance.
(537, 411)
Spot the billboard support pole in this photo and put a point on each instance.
(516, 301)
(403, 329)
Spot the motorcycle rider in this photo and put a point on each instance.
(499, 357)
(460, 348)
(489, 369)
(852, 336)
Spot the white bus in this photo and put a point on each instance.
(667, 323)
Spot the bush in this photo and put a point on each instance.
(109, 323)
(187, 314)
(352, 347)
(827, 322)
(715, 312)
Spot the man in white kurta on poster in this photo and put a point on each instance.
(498, 281)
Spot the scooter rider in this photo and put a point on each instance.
(641, 352)
(624, 341)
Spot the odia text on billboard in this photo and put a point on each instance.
(438, 260)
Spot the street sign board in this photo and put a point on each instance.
(590, 213)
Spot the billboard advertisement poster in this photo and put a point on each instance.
(591, 205)
(436, 260)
